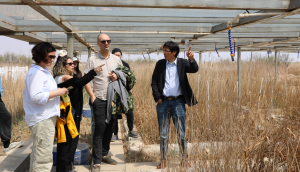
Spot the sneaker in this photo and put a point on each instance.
(12, 146)
(162, 164)
(114, 138)
(96, 168)
(133, 134)
(107, 159)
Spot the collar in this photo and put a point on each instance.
(101, 57)
(39, 67)
(174, 62)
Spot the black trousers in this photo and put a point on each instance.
(5, 125)
(66, 152)
(130, 118)
(103, 131)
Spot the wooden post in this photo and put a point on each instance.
(239, 74)
(70, 44)
(275, 66)
(89, 52)
(199, 76)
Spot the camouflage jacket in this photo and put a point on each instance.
(117, 107)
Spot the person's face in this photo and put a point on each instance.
(118, 54)
(104, 42)
(75, 63)
(168, 54)
(50, 58)
(69, 66)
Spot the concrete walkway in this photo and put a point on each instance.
(19, 160)
(116, 152)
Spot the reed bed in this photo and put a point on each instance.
(260, 133)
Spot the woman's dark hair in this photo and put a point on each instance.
(59, 67)
(39, 52)
(78, 72)
(172, 46)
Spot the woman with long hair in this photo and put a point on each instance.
(64, 72)
(41, 104)
(77, 73)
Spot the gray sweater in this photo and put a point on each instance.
(118, 86)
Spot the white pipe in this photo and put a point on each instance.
(102, 31)
(254, 14)
(281, 15)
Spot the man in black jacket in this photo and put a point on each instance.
(129, 114)
(171, 91)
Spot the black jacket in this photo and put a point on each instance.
(183, 66)
(125, 64)
(76, 95)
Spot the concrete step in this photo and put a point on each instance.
(19, 160)
(142, 166)
(2, 158)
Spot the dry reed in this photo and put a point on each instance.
(220, 119)
(255, 139)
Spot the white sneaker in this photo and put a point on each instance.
(12, 146)
(96, 168)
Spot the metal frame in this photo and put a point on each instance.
(136, 30)
(141, 26)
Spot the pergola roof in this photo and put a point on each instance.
(138, 26)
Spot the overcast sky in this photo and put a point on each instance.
(21, 47)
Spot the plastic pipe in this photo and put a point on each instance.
(254, 14)
(217, 50)
(229, 37)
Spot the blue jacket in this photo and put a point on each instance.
(1, 88)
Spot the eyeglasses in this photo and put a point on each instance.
(52, 57)
(70, 64)
(166, 51)
(104, 41)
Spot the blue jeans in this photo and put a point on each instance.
(176, 110)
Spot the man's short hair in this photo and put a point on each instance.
(115, 50)
(172, 46)
(99, 36)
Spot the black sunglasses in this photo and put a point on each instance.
(70, 64)
(104, 41)
(52, 57)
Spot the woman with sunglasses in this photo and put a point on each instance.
(41, 104)
(64, 72)
(77, 73)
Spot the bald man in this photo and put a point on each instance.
(103, 121)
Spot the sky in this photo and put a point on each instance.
(21, 47)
